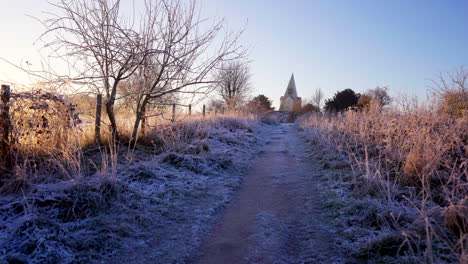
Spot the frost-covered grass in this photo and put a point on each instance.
(398, 181)
(148, 205)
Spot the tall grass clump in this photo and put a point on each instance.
(420, 153)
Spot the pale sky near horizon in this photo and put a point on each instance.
(334, 44)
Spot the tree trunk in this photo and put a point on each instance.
(140, 116)
(110, 113)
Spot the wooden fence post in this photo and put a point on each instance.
(190, 109)
(97, 126)
(173, 113)
(203, 111)
(5, 124)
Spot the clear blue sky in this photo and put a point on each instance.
(329, 44)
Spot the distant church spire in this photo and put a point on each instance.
(290, 101)
(291, 90)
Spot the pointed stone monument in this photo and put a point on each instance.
(290, 102)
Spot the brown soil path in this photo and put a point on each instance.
(276, 216)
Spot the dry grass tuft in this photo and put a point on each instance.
(456, 217)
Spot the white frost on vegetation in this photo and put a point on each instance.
(156, 211)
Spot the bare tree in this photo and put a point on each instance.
(182, 51)
(136, 95)
(317, 97)
(380, 95)
(94, 34)
(456, 81)
(170, 52)
(233, 83)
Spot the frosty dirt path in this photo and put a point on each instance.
(276, 216)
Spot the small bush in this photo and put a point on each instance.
(44, 141)
(309, 108)
(451, 89)
(455, 103)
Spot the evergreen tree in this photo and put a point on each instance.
(342, 100)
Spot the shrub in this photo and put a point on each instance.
(455, 102)
(380, 95)
(364, 101)
(309, 108)
(45, 136)
(452, 92)
(260, 104)
(342, 100)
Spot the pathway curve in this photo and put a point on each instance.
(276, 217)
